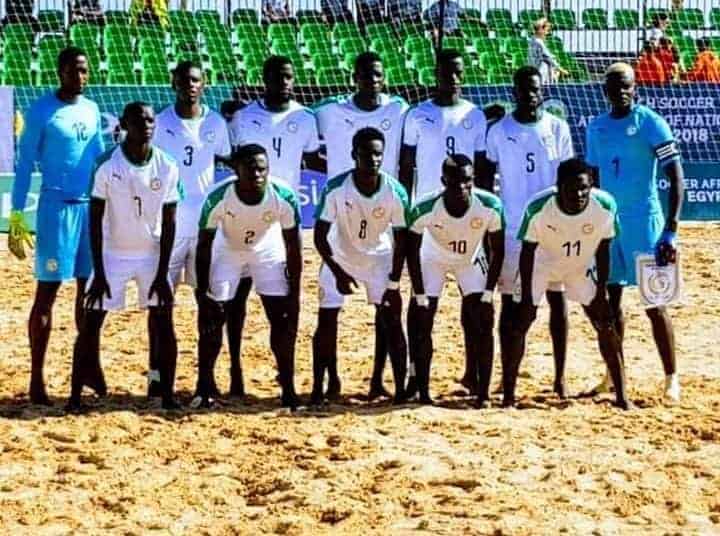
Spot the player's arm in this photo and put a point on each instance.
(602, 266)
(676, 175)
(496, 251)
(344, 281)
(527, 310)
(161, 286)
(293, 252)
(99, 286)
(406, 173)
(315, 161)
(29, 149)
(414, 243)
(485, 171)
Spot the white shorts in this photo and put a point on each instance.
(119, 272)
(375, 283)
(182, 261)
(228, 267)
(471, 278)
(579, 287)
(509, 281)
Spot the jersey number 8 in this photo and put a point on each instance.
(363, 230)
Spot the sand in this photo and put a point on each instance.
(573, 467)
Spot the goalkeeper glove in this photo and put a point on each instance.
(665, 248)
(19, 235)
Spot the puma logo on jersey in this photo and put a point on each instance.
(170, 132)
(429, 120)
(510, 138)
(552, 228)
(116, 177)
(230, 213)
(349, 122)
(256, 123)
(438, 225)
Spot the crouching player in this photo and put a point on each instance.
(135, 191)
(244, 210)
(566, 233)
(353, 236)
(454, 223)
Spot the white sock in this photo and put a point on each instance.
(411, 369)
(153, 375)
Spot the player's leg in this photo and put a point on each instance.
(211, 318)
(235, 314)
(514, 351)
(479, 343)
(324, 350)
(283, 334)
(615, 294)
(86, 369)
(412, 333)
(39, 328)
(508, 309)
(664, 336)
(377, 389)
(559, 334)
(422, 347)
(507, 286)
(470, 377)
(165, 333)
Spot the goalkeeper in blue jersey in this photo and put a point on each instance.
(626, 145)
(62, 133)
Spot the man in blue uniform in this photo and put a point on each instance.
(626, 145)
(62, 133)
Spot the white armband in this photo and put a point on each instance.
(422, 300)
(487, 296)
(392, 285)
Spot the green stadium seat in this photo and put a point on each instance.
(382, 44)
(16, 56)
(314, 30)
(528, 17)
(555, 44)
(254, 76)
(19, 32)
(426, 76)
(149, 30)
(349, 45)
(379, 31)
(489, 60)
(345, 30)
(155, 77)
(687, 59)
(51, 20)
(414, 28)
(498, 19)
(151, 46)
(486, 44)
(220, 51)
(216, 38)
(423, 59)
(471, 29)
(400, 76)
(474, 76)
(182, 23)
(514, 44)
(50, 46)
(653, 12)
(348, 61)
(244, 16)
(305, 16)
(47, 77)
(207, 18)
(688, 19)
(282, 31)
(684, 42)
(595, 18)
(116, 16)
(714, 18)
(13, 76)
(253, 61)
(253, 32)
(318, 46)
(324, 61)
(563, 19)
(519, 59)
(626, 19)
(578, 73)
(715, 43)
(303, 77)
(252, 48)
(123, 74)
(117, 37)
(227, 74)
(454, 43)
(332, 77)
(499, 75)
(417, 43)
(471, 13)
(393, 59)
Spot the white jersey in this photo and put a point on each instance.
(134, 196)
(567, 243)
(438, 131)
(527, 158)
(361, 231)
(193, 143)
(339, 119)
(246, 228)
(285, 136)
(456, 240)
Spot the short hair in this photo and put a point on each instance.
(365, 135)
(525, 72)
(68, 55)
(366, 58)
(572, 168)
(456, 161)
(274, 63)
(448, 55)
(229, 107)
(660, 17)
(134, 107)
(542, 21)
(619, 68)
(243, 153)
(703, 43)
(185, 66)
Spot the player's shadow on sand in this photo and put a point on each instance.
(20, 408)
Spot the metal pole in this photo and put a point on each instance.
(441, 30)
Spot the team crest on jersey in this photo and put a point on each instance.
(267, 216)
(476, 223)
(588, 228)
(51, 265)
(467, 124)
(386, 124)
(155, 184)
(378, 212)
(631, 130)
(210, 136)
(292, 127)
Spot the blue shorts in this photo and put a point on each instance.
(638, 234)
(63, 239)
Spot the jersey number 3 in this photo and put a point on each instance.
(188, 155)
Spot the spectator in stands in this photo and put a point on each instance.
(669, 57)
(275, 11)
(404, 11)
(539, 54)
(659, 27)
(450, 22)
(19, 11)
(649, 68)
(87, 11)
(149, 12)
(370, 11)
(707, 65)
(336, 11)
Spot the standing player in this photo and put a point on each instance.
(244, 210)
(289, 133)
(526, 148)
(134, 193)
(442, 126)
(339, 119)
(193, 135)
(353, 236)
(566, 233)
(63, 134)
(455, 222)
(626, 145)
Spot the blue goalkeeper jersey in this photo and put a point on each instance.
(627, 152)
(65, 138)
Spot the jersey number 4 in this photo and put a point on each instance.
(277, 146)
